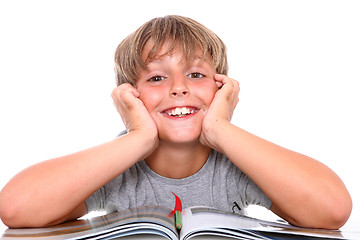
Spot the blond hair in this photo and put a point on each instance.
(179, 31)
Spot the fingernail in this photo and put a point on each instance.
(218, 84)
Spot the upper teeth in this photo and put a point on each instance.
(180, 111)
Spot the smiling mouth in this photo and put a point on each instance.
(179, 112)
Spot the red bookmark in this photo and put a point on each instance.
(178, 205)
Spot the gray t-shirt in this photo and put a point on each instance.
(218, 184)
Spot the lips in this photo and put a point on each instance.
(179, 112)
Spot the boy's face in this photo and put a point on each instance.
(177, 93)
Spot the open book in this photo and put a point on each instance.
(158, 222)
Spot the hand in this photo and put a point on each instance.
(220, 111)
(134, 114)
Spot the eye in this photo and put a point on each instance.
(156, 78)
(196, 75)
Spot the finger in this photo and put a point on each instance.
(219, 76)
(223, 79)
(124, 92)
(218, 80)
(230, 87)
(135, 93)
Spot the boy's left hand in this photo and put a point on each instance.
(220, 111)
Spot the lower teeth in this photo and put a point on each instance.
(180, 115)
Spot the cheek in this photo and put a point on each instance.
(206, 91)
(151, 97)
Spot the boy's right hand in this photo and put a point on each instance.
(133, 113)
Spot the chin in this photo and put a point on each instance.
(181, 137)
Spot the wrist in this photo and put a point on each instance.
(146, 142)
(214, 135)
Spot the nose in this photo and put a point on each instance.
(179, 87)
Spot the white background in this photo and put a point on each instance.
(298, 64)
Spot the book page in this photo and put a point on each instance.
(143, 220)
(199, 221)
(208, 221)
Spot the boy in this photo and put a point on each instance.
(176, 102)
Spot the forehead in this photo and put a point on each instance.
(153, 53)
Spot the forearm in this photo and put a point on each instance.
(53, 189)
(303, 190)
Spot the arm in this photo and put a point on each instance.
(303, 191)
(55, 190)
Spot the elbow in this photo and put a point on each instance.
(10, 209)
(339, 213)
(13, 215)
(332, 215)
(8, 215)
(337, 210)
(14, 219)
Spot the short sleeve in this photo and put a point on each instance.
(255, 196)
(235, 189)
(96, 201)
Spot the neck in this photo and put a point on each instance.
(178, 160)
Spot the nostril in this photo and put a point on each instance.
(179, 93)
